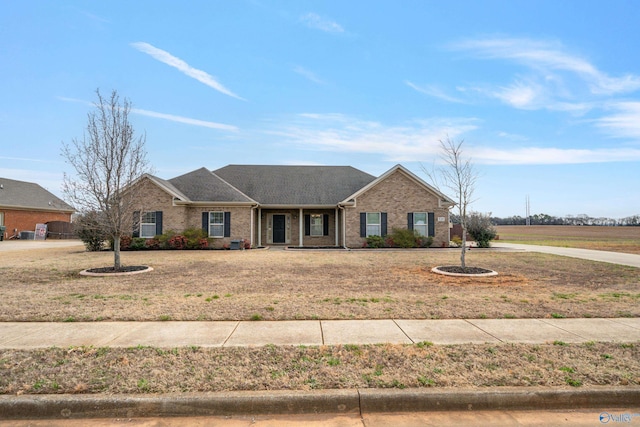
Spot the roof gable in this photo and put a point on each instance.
(22, 194)
(445, 200)
(295, 185)
(201, 185)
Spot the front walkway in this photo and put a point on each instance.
(29, 335)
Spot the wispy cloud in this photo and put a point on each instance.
(548, 57)
(164, 116)
(417, 140)
(167, 58)
(434, 91)
(341, 133)
(624, 123)
(315, 21)
(309, 75)
(185, 120)
(552, 156)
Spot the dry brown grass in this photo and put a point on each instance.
(216, 285)
(44, 285)
(192, 369)
(616, 239)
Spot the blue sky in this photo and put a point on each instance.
(545, 94)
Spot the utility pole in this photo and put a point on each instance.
(528, 209)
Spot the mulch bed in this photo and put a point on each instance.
(466, 270)
(125, 269)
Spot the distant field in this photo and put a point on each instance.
(616, 239)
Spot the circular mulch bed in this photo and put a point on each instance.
(456, 270)
(110, 271)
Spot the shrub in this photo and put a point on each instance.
(153, 243)
(375, 242)
(125, 242)
(196, 238)
(404, 238)
(480, 229)
(177, 242)
(424, 242)
(88, 229)
(137, 243)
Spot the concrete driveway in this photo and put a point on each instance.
(592, 255)
(25, 245)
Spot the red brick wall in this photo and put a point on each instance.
(27, 220)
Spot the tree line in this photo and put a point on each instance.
(582, 219)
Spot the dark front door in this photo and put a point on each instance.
(279, 229)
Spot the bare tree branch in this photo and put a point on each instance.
(107, 161)
(459, 176)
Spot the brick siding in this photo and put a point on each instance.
(25, 220)
(397, 195)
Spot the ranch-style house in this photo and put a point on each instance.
(292, 205)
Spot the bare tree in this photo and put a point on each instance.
(459, 176)
(107, 160)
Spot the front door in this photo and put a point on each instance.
(279, 222)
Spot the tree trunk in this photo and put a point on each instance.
(116, 253)
(464, 247)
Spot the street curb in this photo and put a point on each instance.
(348, 401)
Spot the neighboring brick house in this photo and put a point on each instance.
(25, 204)
(292, 205)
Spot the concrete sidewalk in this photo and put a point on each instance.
(29, 335)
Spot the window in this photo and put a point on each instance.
(420, 223)
(216, 224)
(373, 224)
(317, 227)
(148, 224)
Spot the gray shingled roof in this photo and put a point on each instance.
(202, 185)
(21, 194)
(295, 185)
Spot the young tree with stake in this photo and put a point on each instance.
(458, 175)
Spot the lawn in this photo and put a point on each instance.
(44, 285)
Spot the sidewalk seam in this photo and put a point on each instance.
(230, 334)
(483, 331)
(405, 334)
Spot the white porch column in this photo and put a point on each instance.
(300, 227)
(337, 229)
(252, 227)
(259, 226)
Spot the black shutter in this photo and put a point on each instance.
(325, 224)
(363, 224)
(307, 225)
(136, 224)
(158, 223)
(432, 224)
(205, 222)
(410, 221)
(383, 225)
(227, 224)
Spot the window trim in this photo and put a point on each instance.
(319, 228)
(210, 224)
(419, 227)
(378, 224)
(142, 224)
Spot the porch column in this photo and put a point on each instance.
(259, 226)
(252, 226)
(337, 229)
(300, 227)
